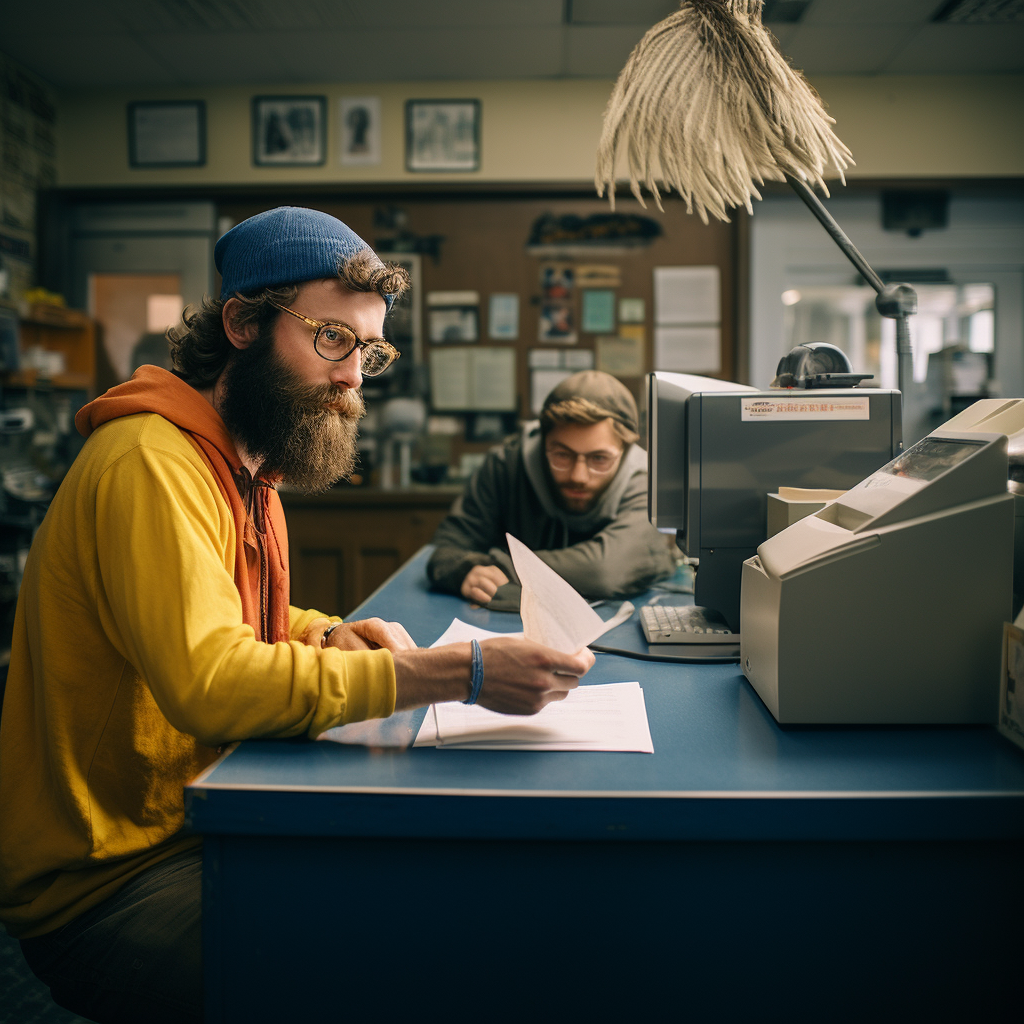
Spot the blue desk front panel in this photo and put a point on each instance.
(376, 882)
(722, 768)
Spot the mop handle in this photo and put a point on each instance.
(839, 236)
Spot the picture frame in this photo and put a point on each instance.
(442, 135)
(359, 121)
(167, 133)
(289, 131)
(453, 323)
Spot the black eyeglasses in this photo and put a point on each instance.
(336, 342)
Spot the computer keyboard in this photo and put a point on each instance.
(685, 624)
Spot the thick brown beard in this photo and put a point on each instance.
(303, 434)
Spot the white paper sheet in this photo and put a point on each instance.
(579, 359)
(473, 378)
(460, 632)
(602, 716)
(541, 384)
(494, 378)
(686, 295)
(688, 349)
(553, 612)
(450, 378)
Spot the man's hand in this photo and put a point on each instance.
(482, 582)
(371, 634)
(520, 676)
(362, 635)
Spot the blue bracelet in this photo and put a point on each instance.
(477, 671)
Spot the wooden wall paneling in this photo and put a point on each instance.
(347, 542)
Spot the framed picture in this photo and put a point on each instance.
(442, 135)
(167, 134)
(288, 131)
(453, 323)
(360, 130)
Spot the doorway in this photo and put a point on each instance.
(133, 311)
(136, 266)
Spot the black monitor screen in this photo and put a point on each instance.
(930, 458)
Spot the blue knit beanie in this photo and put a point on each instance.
(287, 245)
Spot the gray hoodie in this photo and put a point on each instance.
(611, 550)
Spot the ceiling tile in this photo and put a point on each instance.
(386, 55)
(846, 50)
(869, 12)
(600, 52)
(226, 58)
(195, 42)
(59, 17)
(960, 49)
(615, 12)
(79, 60)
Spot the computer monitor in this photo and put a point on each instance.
(716, 449)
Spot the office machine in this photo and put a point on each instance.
(716, 449)
(887, 606)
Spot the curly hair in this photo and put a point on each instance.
(200, 348)
(585, 412)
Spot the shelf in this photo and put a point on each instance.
(60, 381)
(42, 315)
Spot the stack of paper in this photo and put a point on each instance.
(608, 716)
(603, 716)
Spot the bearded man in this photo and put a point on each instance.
(573, 488)
(154, 625)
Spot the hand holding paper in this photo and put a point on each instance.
(553, 612)
(608, 716)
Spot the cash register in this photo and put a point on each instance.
(887, 605)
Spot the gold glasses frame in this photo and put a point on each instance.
(378, 344)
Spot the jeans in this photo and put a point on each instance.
(137, 957)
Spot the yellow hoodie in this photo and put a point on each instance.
(137, 653)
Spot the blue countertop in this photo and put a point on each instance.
(722, 767)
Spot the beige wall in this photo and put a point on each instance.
(896, 126)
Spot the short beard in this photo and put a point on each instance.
(284, 424)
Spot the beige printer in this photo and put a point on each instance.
(887, 605)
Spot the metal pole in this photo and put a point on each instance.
(895, 301)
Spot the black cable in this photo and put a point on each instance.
(691, 658)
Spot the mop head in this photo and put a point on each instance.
(708, 106)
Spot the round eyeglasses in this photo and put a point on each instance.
(598, 463)
(336, 342)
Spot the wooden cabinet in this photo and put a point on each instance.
(347, 542)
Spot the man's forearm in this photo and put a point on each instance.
(429, 675)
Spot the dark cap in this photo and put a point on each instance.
(603, 390)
